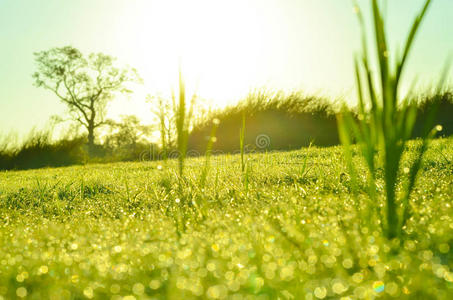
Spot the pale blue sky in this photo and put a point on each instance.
(226, 47)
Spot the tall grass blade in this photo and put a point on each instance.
(241, 141)
(211, 141)
(385, 126)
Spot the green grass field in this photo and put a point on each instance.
(283, 229)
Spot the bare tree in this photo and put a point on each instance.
(84, 84)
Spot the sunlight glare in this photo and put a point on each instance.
(218, 44)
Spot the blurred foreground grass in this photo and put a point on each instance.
(118, 231)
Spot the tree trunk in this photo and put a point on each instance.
(91, 128)
(91, 139)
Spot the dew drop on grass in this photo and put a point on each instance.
(75, 278)
(357, 277)
(43, 269)
(88, 292)
(217, 292)
(338, 288)
(115, 288)
(286, 273)
(391, 288)
(378, 286)
(320, 292)
(138, 289)
(21, 292)
(444, 248)
(211, 267)
(154, 284)
(348, 263)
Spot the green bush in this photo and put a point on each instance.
(39, 151)
(289, 121)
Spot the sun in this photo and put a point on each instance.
(219, 45)
(225, 49)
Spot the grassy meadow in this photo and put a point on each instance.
(282, 196)
(287, 227)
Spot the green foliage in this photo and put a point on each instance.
(38, 151)
(128, 131)
(385, 124)
(444, 102)
(127, 139)
(291, 121)
(106, 231)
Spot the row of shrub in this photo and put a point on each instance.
(39, 151)
(278, 121)
(274, 121)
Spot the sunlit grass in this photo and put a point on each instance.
(110, 231)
